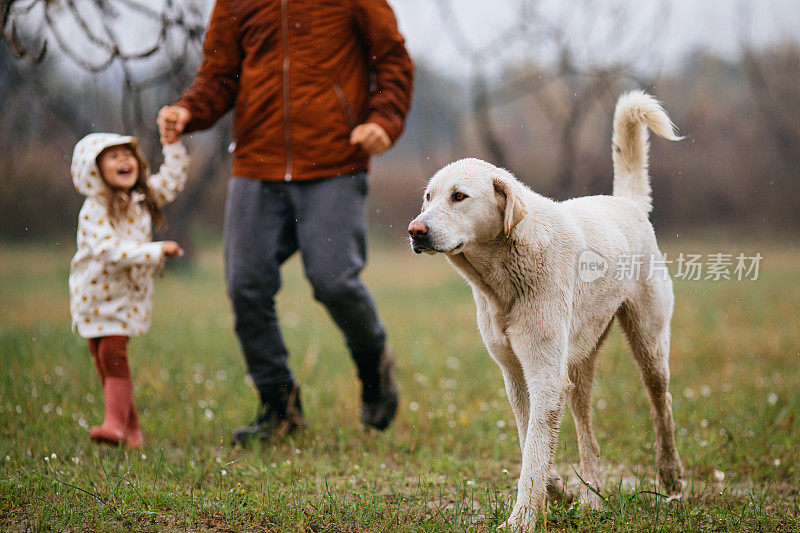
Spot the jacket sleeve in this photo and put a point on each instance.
(388, 59)
(96, 233)
(171, 177)
(213, 92)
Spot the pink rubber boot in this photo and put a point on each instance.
(118, 394)
(134, 439)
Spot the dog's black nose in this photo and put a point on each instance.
(417, 229)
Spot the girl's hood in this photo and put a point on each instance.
(85, 173)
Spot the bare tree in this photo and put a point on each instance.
(145, 47)
(772, 79)
(577, 78)
(151, 52)
(778, 112)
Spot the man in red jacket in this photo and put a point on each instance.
(316, 88)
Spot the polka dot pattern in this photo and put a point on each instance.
(111, 274)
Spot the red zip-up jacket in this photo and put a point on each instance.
(300, 75)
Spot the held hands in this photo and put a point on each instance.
(372, 138)
(172, 119)
(171, 249)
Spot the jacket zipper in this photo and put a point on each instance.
(286, 120)
(348, 111)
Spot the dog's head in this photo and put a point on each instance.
(466, 203)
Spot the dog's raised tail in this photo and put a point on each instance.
(635, 112)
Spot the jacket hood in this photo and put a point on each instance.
(85, 173)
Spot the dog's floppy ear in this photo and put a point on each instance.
(515, 211)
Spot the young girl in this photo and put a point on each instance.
(111, 275)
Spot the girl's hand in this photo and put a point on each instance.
(171, 249)
(172, 119)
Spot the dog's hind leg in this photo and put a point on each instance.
(580, 404)
(645, 319)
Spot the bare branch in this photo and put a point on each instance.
(106, 46)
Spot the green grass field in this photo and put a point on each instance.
(451, 459)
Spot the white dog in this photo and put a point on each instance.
(548, 278)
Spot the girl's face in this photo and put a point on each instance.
(119, 167)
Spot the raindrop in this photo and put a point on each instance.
(772, 399)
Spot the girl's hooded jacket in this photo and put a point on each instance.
(111, 274)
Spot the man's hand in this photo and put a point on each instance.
(171, 249)
(372, 138)
(172, 119)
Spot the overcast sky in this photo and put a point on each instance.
(652, 32)
(649, 34)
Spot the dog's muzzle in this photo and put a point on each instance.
(422, 245)
(420, 238)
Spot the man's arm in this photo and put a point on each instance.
(389, 60)
(213, 92)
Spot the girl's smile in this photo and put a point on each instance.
(119, 167)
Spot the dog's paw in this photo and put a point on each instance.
(505, 526)
(510, 525)
(557, 492)
(589, 499)
(672, 477)
(522, 519)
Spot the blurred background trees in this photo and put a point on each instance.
(532, 97)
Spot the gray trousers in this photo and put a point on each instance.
(265, 223)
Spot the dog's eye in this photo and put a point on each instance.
(458, 196)
(428, 196)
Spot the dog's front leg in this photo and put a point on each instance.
(519, 398)
(542, 355)
(499, 348)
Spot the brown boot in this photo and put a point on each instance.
(280, 414)
(118, 394)
(379, 396)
